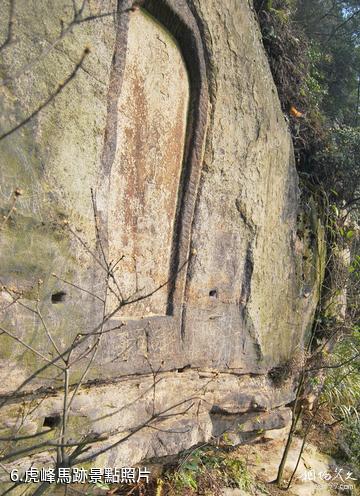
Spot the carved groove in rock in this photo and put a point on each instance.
(145, 174)
(157, 107)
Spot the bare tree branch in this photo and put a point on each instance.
(53, 95)
(27, 346)
(77, 287)
(12, 208)
(77, 20)
(29, 436)
(336, 366)
(10, 26)
(342, 24)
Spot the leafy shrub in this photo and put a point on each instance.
(338, 161)
(342, 385)
(351, 444)
(206, 471)
(314, 88)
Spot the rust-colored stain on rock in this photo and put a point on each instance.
(146, 172)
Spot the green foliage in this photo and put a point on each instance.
(342, 385)
(354, 268)
(351, 433)
(314, 88)
(203, 465)
(338, 161)
(313, 47)
(281, 10)
(236, 474)
(314, 53)
(99, 486)
(102, 485)
(226, 439)
(333, 27)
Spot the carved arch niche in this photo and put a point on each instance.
(153, 151)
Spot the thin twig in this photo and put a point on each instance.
(49, 99)
(77, 287)
(342, 24)
(84, 337)
(22, 438)
(97, 228)
(87, 248)
(47, 331)
(49, 444)
(141, 427)
(64, 414)
(336, 366)
(63, 33)
(10, 26)
(96, 347)
(19, 340)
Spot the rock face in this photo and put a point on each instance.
(156, 239)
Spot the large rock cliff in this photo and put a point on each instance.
(173, 122)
